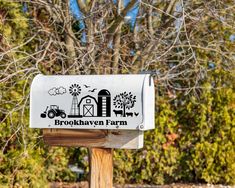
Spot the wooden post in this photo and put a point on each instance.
(100, 144)
(101, 168)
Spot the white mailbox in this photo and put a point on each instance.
(92, 102)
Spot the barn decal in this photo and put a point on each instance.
(88, 106)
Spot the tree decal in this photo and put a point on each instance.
(125, 101)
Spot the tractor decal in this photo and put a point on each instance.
(54, 111)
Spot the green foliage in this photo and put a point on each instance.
(194, 141)
(24, 160)
(158, 161)
(22, 168)
(56, 164)
(209, 141)
(16, 27)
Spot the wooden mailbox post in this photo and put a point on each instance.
(99, 112)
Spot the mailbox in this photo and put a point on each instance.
(92, 102)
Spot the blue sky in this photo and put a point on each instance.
(77, 13)
(130, 17)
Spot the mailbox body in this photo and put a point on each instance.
(92, 102)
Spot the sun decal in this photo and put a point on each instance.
(74, 89)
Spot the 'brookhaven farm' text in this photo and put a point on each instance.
(94, 123)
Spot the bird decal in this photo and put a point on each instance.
(86, 86)
(93, 90)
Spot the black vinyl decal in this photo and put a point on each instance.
(124, 101)
(53, 111)
(96, 104)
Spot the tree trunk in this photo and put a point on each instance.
(86, 7)
(69, 43)
(124, 111)
(113, 29)
(116, 43)
(150, 21)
